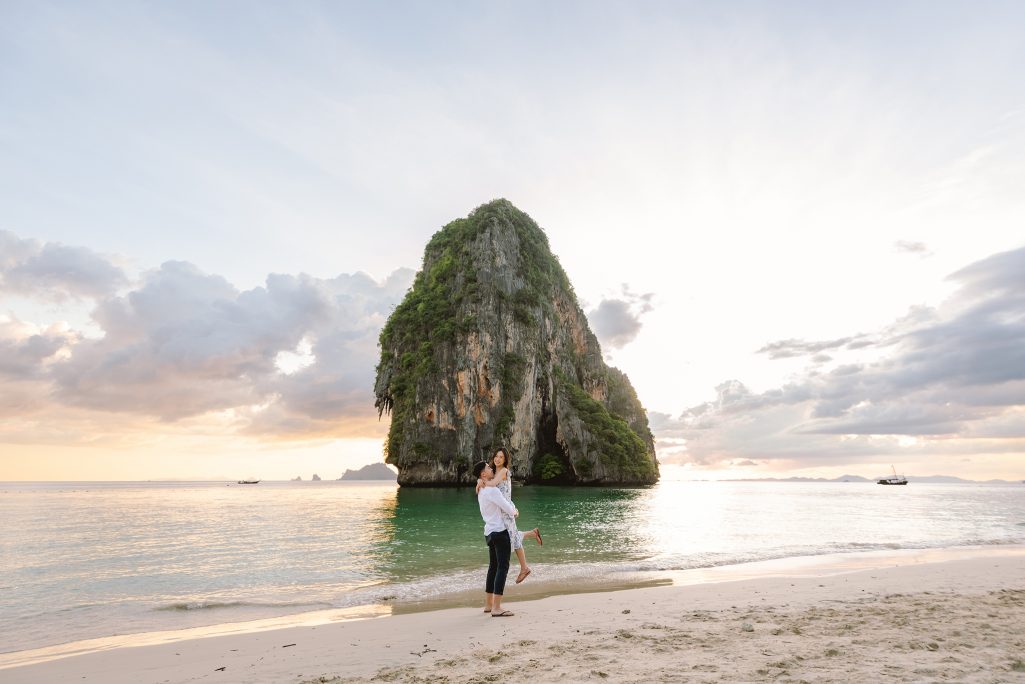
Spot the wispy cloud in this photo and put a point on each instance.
(786, 349)
(912, 247)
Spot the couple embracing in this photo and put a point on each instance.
(494, 495)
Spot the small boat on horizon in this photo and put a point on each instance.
(249, 482)
(893, 480)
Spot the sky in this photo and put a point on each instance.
(797, 227)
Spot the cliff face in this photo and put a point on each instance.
(490, 348)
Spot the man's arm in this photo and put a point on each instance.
(502, 502)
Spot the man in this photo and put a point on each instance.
(492, 505)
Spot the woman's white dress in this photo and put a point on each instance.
(505, 486)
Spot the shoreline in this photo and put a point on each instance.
(180, 655)
(618, 580)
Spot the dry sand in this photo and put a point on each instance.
(917, 617)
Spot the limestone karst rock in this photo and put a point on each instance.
(490, 348)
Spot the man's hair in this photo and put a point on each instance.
(479, 468)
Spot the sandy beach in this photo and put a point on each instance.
(953, 615)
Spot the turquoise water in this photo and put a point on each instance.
(86, 560)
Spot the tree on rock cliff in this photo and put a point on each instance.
(490, 348)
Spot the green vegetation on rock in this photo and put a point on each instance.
(622, 401)
(549, 467)
(617, 445)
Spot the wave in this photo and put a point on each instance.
(595, 573)
(183, 606)
(454, 582)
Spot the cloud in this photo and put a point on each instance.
(26, 350)
(336, 388)
(909, 247)
(55, 271)
(182, 344)
(948, 377)
(617, 321)
(916, 318)
(786, 349)
(999, 274)
(185, 342)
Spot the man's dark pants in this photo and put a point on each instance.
(499, 550)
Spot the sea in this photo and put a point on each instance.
(81, 562)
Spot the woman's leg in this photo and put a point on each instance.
(516, 538)
(524, 568)
(522, 557)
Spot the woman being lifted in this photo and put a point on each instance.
(503, 480)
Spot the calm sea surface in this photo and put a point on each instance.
(86, 560)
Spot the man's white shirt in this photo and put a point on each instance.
(492, 505)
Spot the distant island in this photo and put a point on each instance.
(374, 471)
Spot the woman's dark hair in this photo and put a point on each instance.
(479, 468)
(508, 461)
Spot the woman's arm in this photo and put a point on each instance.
(499, 476)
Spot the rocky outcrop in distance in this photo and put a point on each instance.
(374, 471)
(490, 348)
